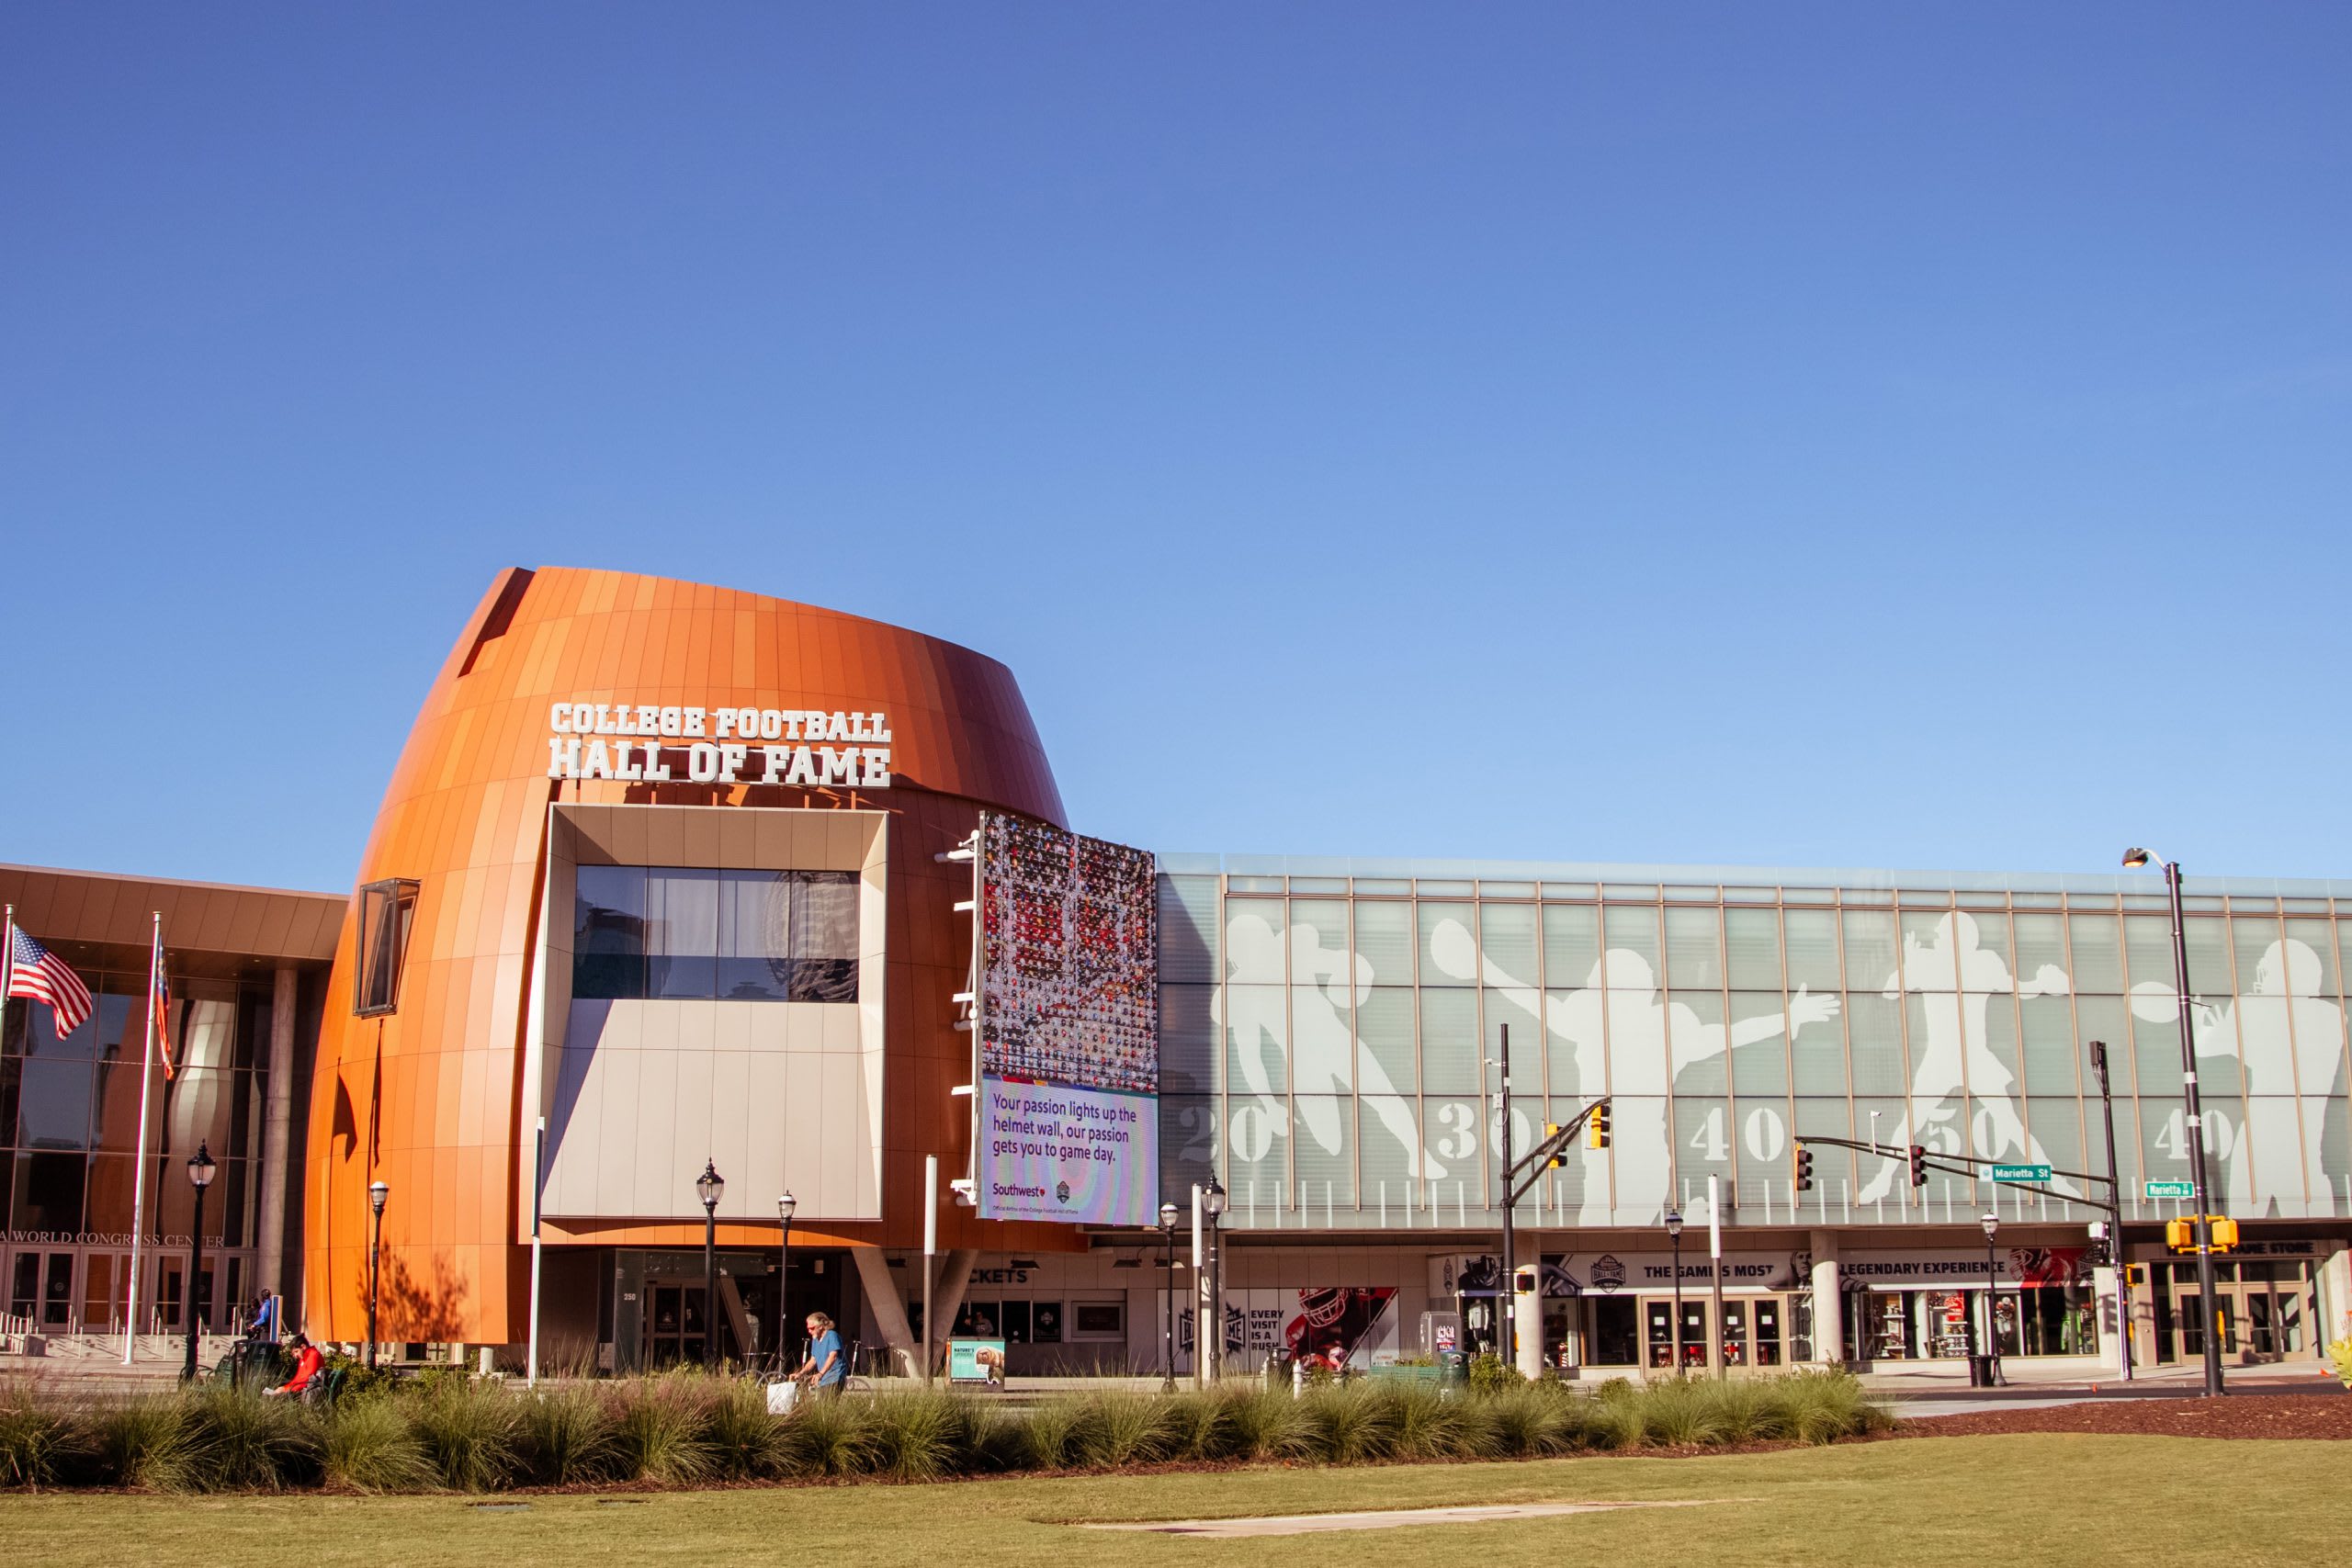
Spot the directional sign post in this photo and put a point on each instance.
(2020, 1173)
(2168, 1189)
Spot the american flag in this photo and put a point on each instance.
(40, 976)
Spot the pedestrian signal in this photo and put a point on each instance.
(1804, 1168)
(2224, 1232)
(2134, 1275)
(1918, 1165)
(1595, 1129)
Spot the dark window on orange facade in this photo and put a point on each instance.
(387, 910)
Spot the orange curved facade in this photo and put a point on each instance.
(431, 1099)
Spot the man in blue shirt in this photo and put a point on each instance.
(826, 1366)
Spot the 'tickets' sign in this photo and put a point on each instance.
(719, 745)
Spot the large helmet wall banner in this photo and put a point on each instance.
(1068, 1025)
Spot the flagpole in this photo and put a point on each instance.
(139, 1180)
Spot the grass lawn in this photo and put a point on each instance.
(2038, 1499)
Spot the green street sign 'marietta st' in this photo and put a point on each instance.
(2020, 1173)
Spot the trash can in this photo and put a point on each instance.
(1452, 1368)
(1983, 1371)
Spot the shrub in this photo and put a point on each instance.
(471, 1432)
(567, 1435)
(661, 1430)
(371, 1447)
(146, 1443)
(2339, 1357)
(1490, 1372)
(242, 1439)
(1820, 1407)
(40, 1439)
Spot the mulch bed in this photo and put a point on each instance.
(2246, 1416)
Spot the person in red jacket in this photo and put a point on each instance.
(308, 1365)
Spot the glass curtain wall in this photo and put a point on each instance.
(1331, 1046)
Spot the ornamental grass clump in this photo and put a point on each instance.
(1120, 1429)
(1200, 1426)
(471, 1433)
(41, 1440)
(828, 1436)
(568, 1436)
(372, 1447)
(746, 1442)
(1268, 1424)
(921, 1436)
(661, 1430)
(146, 1444)
(243, 1441)
(1432, 1424)
(1352, 1424)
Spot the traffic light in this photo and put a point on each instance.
(1804, 1168)
(1918, 1165)
(2181, 1235)
(1595, 1129)
(1558, 1160)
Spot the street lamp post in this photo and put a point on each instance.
(1992, 1224)
(377, 1190)
(783, 1208)
(2134, 859)
(1168, 1297)
(199, 1176)
(1212, 1334)
(708, 1187)
(2115, 1216)
(1674, 1234)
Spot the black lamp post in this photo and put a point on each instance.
(1211, 1337)
(1674, 1234)
(199, 1176)
(2133, 860)
(1992, 1224)
(1168, 1295)
(783, 1208)
(708, 1187)
(377, 1190)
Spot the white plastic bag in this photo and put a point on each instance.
(782, 1397)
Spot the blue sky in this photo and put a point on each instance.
(1844, 436)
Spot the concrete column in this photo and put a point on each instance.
(1829, 1301)
(2335, 1301)
(947, 1296)
(277, 1126)
(2113, 1314)
(875, 1273)
(1527, 1313)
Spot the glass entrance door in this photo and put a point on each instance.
(1657, 1321)
(40, 1287)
